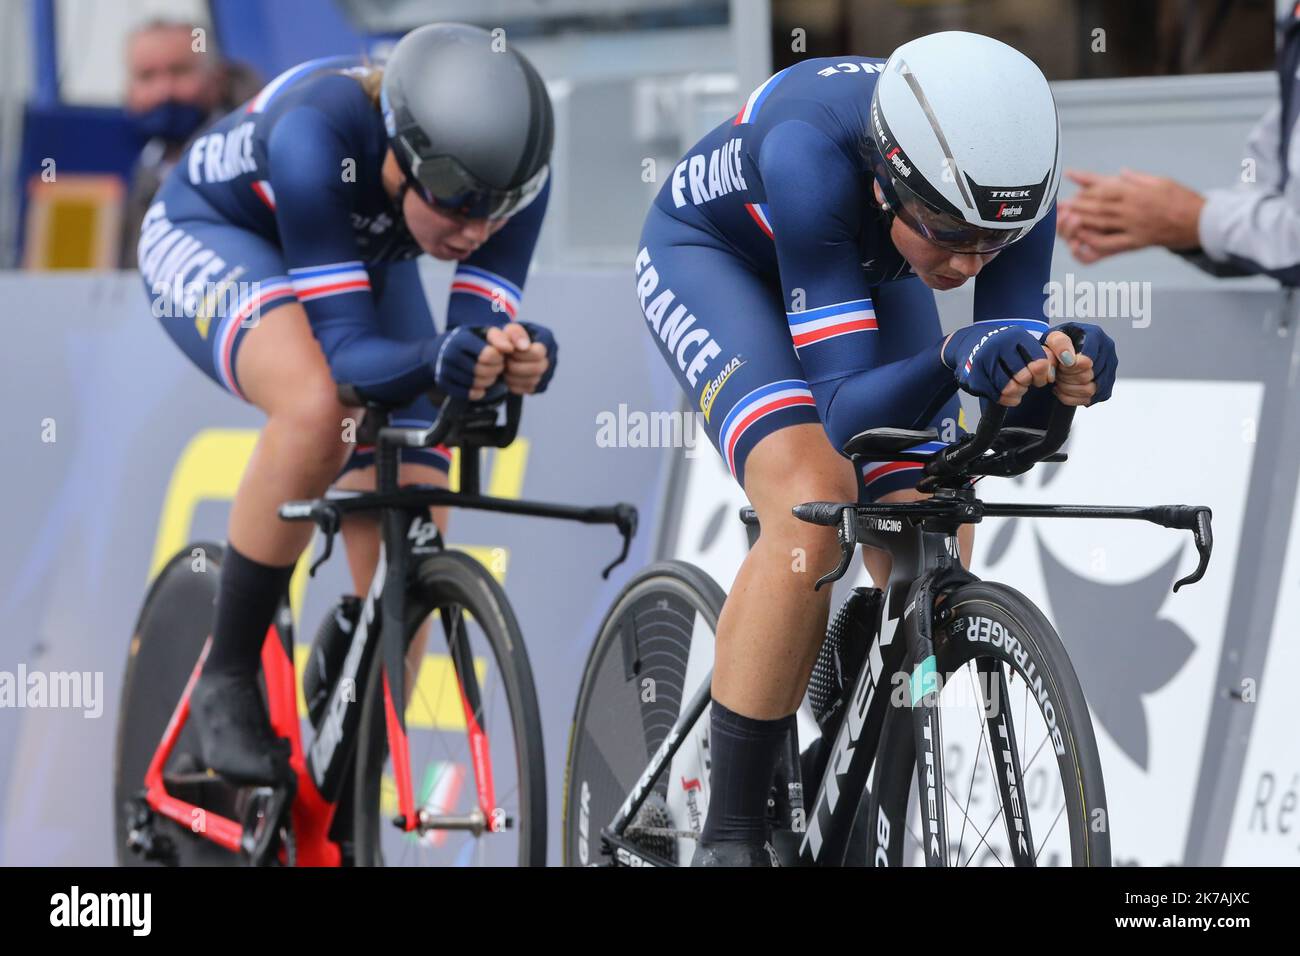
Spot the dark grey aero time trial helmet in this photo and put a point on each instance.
(469, 120)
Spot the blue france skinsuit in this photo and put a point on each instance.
(281, 201)
(769, 282)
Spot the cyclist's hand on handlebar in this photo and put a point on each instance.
(530, 353)
(998, 362)
(465, 366)
(1084, 375)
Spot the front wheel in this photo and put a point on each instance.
(475, 741)
(1022, 777)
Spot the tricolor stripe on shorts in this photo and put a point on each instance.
(829, 321)
(362, 456)
(756, 406)
(473, 280)
(319, 282)
(873, 471)
(756, 99)
(266, 293)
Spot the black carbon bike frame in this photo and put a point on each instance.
(408, 533)
(922, 538)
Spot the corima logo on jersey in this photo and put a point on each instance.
(712, 389)
(1008, 203)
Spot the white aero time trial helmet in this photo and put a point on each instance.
(965, 140)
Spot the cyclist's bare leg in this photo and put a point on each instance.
(282, 371)
(301, 448)
(879, 563)
(773, 622)
(361, 540)
(768, 635)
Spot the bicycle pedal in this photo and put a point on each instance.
(143, 838)
(261, 811)
(189, 781)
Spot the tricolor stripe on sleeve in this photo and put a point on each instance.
(473, 280)
(259, 102)
(319, 282)
(829, 321)
(756, 99)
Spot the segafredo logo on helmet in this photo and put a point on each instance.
(1008, 203)
(889, 149)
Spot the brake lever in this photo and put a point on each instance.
(848, 537)
(327, 519)
(1204, 538)
(625, 519)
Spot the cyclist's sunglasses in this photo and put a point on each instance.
(940, 228)
(446, 184)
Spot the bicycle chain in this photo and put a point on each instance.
(661, 832)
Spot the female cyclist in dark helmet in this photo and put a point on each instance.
(274, 254)
(785, 274)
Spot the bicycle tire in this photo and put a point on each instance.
(893, 781)
(452, 577)
(688, 594)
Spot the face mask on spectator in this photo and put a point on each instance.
(171, 121)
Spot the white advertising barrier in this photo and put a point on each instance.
(1265, 827)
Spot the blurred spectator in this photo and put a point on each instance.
(176, 85)
(1250, 228)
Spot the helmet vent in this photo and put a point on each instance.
(915, 86)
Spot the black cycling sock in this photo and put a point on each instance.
(246, 602)
(744, 752)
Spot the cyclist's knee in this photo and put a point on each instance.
(785, 473)
(317, 424)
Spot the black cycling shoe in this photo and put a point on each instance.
(234, 731)
(734, 854)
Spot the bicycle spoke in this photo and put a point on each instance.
(986, 744)
(1049, 831)
(948, 790)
